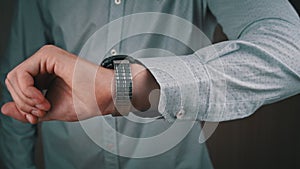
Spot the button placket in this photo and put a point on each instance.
(113, 48)
(115, 27)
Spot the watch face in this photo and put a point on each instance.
(108, 62)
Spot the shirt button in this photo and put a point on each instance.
(113, 52)
(180, 114)
(117, 2)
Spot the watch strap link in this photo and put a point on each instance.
(123, 86)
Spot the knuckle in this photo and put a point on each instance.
(6, 82)
(45, 51)
(9, 77)
(8, 85)
(47, 48)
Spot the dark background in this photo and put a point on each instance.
(267, 139)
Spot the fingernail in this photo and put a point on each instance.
(36, 101)
(35, 112)
(31, 119)
(28, 117)
(40, 106)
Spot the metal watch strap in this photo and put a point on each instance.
(123, 86)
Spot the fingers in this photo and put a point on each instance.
(10, 109)
(29, 102)
(25, 82)
(23, 103)
(27, 98)
(27, 105)
(40, 102)
(38, 113)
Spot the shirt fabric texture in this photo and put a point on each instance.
(258, 65)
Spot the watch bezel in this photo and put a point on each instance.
(109, 61)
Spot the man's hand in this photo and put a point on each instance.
(51, 62)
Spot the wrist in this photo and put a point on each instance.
(143, 83)
(143, 86)
(104, 86)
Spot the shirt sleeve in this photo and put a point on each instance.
(17, 139)
(259, 64)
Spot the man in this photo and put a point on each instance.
(258, 65)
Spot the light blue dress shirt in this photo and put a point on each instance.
(259, 64)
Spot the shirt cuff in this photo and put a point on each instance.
(184, 86)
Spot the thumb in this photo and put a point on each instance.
(10, 109)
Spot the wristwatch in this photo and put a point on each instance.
(123, 81)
